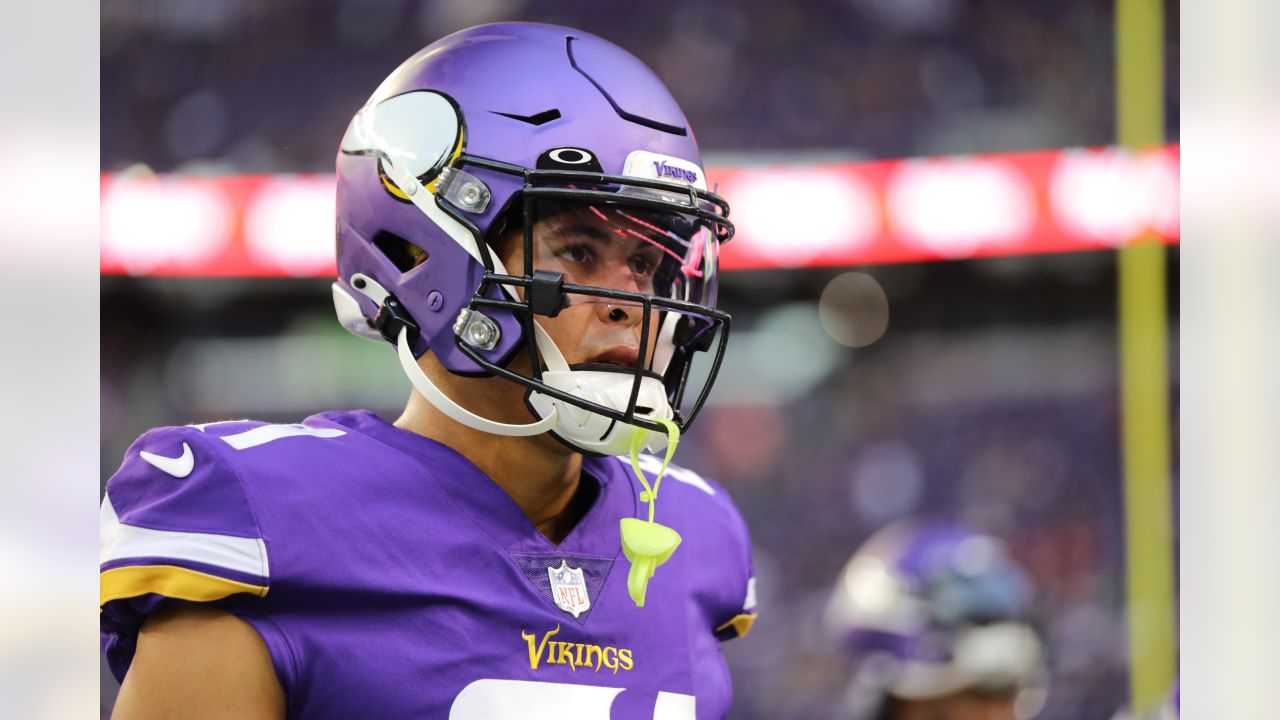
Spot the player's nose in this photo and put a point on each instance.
(624, 314)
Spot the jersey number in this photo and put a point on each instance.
(530, 700)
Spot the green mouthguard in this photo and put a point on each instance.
(646, 543)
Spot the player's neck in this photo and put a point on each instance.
(540, 475)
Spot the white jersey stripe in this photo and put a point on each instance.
(120, 541)
(202, 426)
(266, 433)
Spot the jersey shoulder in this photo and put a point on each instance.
(183, 503)
(175, 524)
(175, 517)
(179, 522)
(715, 534)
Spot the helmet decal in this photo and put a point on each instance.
(645, 164)
(419, 131)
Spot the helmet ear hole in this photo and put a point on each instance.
(509, 218)
(400, 252)
(505, 237)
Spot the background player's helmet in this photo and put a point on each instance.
(926, 610)
(473, 142)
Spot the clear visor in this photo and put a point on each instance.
(627, 248)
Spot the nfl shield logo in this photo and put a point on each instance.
(569, 589)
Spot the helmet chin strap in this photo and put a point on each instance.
(433, 393)
(446, 405)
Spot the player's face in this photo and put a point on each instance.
(960, 706)
(580, 243)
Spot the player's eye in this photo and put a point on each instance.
(580, 254)
(643, 265)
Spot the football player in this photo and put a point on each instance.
(522, 213)
(933, 617)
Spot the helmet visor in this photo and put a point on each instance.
(626, 248)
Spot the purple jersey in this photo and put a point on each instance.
(390, 578)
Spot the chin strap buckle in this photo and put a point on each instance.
(392, 318)
(546, 293)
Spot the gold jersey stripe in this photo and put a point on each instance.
(741, 624)
(170, 581)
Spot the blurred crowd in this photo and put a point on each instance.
(250, 86)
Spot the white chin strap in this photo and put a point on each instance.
(446, 405)
(431, 391)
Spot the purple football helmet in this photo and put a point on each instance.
(522, 132)
(926, 610)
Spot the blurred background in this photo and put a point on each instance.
(981, 389)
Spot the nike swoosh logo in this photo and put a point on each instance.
(178, 467)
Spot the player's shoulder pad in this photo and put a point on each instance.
(710, 516)
(176, 518)
(176, 522)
